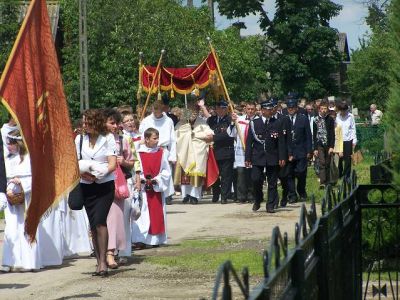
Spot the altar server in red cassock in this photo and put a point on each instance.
(155, 177)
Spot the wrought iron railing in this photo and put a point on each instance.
(331, 252)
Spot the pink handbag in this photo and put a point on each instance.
(121, 186)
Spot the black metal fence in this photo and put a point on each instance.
(332, 253)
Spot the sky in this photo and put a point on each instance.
(351, 20)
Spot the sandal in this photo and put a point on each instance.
(113, 265)
(139, 246)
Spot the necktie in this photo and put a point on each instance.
(292, 120)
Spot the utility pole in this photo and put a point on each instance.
(211, 8)
(83, 58)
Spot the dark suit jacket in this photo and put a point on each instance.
(173, 118)
(330, 129)
(3, 178)
(300, 137)
(223, 143)
(272, 150)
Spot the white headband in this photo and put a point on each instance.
(18, 138)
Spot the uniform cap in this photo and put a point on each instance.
(291, 103)
(222, 104)
(267, 104)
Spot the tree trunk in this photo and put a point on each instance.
(189, 3)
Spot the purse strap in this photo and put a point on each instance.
(80, 146)
(121, 146)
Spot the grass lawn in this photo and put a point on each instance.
(208, 255)
(363, 177)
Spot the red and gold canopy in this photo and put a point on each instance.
(180, 80)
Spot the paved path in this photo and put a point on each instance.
(141, 280)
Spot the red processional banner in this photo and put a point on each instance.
(31, 88)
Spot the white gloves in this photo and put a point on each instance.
(85, 165)
(99, 170)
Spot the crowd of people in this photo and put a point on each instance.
(251, 144)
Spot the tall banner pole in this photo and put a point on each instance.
(139, 92)
(152, 85)
(226, 92)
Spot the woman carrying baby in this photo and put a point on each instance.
(97, 150)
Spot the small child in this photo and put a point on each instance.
(155, 178)
(17, 252)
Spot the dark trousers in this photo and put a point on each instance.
(272, 180)
(283, 177)
(324, 160)
(345, 161)
(243, 185)
(257, 178)
(223, 185)
(297, 170)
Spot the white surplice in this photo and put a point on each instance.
(50, 234)
(140, 228)
(76, 231)
(17, 252)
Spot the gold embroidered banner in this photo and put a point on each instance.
(31, 89)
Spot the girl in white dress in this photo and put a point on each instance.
(17, 252)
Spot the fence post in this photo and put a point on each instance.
(321, 248)
(298, 274)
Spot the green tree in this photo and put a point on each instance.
(300, 52)
(368, 77)
(393, 105)
(9, 26)
(119, 30)
(8, 29)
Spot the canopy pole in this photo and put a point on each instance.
(152, 85)
(226, 92)
(139, 92)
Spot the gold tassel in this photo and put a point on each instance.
(159, 96)
(139, 93)
(196, 92)
(172, 93)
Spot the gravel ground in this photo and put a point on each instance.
(141, 280)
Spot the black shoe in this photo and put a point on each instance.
(256, 206)
(242, 201)
(292, 200)
(186, 199)
(215, 199)
(168, 200)
(224, 201)
(193, 200)
(283, 203)
(103, 274)
(270, 210)
(303, 199)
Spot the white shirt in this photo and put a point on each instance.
(105, 146)
(376, 117)
(348, 127)
(165, 126)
